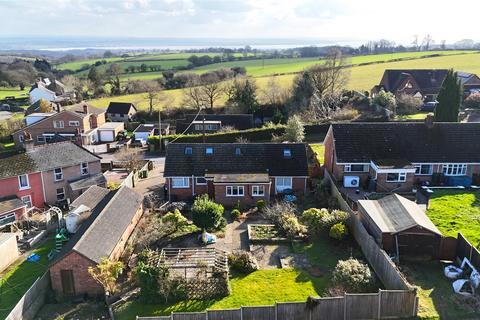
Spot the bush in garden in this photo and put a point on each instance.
(338, 231)
(472, 101)
(235, 214)
(207, 214)
(174, 221)
(352, 275)
(334, 217)
(243, 262)
(146, 277)
(260, 204)
(312, 218)
(283, 215)
(291, 226)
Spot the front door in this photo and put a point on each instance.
(68, 282)
(210, 189)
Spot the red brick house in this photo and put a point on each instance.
(234, 173)
(398, 157)
(102, 235)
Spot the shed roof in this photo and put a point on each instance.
(9, 204)
(111, 125)
(394, 214)
(5, 236)
(90, 198)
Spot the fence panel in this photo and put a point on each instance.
(327, 308)
(228, 314)
(466, 249)
(361, 306)
(189, 316)
(258, 313)
(292, 311)
(397, 303)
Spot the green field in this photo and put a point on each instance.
(75, 65)
(454, 211)
(17, 93)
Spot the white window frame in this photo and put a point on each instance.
(419, 166)
(61, 193)
(185, 182)
(198, 127)
(21, 138)
(20, 187)
(454, 169)
(27, 200)
(58, 176)
(58, 124)
(73, 123)
(211, 127)
(7, 216)
(348, 167)
(402, 177)
(200, 183)
(84, 168)
(240, 191)
(258, 191)
(283, 186)
(41, 139)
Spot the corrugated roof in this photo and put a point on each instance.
(394, 213)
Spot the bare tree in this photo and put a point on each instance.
(330, 77)
(426, 42)
(415, 42)
(153, 93)
(273, 93)
(131, 158)
(211, 90)
(193, 95)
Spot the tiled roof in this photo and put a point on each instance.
(90, 198)
(9, 204)
(236, 158)
(120, 107)
(415, 142)
(238, 121)
(428, 80)
(78, 108)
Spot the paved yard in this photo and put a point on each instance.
(155, 180)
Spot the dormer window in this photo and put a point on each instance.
(238, 152)
(188, 150)
(209, 150)
(287, 153)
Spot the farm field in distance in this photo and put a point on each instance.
(10, 92)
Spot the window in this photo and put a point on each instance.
(23, 182)
(180, 182)
(235, 191)
(7, 219)
(58, 124)
(397, 177)
(209, 150)
(58, 174)
(455, 169)
(283, 183)
(258, 191)
(60, 194)
(423, 169)
(21, 138)
(188, 150)
(211, 127)
(41, 139)
(198, 127)
(287, 153)
(200, 181)
(356, 168)
(73, 123)
(27, 200)
(84, 168)
(238, 151)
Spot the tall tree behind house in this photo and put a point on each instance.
(449, 99)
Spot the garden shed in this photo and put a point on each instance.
(400, 226)
(8, 250)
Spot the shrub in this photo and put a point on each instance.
(243, 262)
(235, 214)
(207, 214)
(472, 101)
(174, 221)
(334, 217)
(260, 204)
(347, 113)
(282, 214)
(352, 275)
(291, 226)
(312, 218)
(338, 231)
(407, 104)
(386, 100)
(295, 131)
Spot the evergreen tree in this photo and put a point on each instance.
(449, 99)
(295, 131)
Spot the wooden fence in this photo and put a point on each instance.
(466, 250)
(384, 267)
(385, 304)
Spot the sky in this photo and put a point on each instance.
(336, 20)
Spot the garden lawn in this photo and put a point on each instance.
(262, 287)
(454, 211)
(12, 92)
(17, 279)
(319, 149)
(415, 116)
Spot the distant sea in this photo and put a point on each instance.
(160, 44)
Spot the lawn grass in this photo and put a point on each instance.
(17, 279)
(436, 297)
(454, 211)
(12, 92)
(262, 287)
(319, 150)
(415, 116)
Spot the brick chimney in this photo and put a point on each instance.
(429, 120)
(85, 108)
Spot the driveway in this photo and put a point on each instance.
(155, 180)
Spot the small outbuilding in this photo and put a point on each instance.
(400, 226)
(109, 131)
(8, 250)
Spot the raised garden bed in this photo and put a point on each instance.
(266, 234)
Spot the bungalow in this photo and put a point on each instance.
(234, 173)
(50, 90)
(103, 234)
(398, 157)
(210, 123)
(399, 226)
(121, 111)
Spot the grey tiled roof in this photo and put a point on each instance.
(90, 198)
(120, 107)
(253, 158)
(10, 204)
(78, 108)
